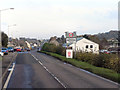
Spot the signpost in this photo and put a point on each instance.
(70, 38)
(69, 53)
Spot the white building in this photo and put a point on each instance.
(85, 45)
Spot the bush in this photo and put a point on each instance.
(109, 61)
(53, 48)
(49, 47)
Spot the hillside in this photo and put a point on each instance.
(108, 35)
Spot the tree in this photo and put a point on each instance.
(86, 36)
(4, 39)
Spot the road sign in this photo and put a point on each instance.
(69, 53)
(71, 35)
(70, 40)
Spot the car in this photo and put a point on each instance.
(22, 50)
(105, 51)
(10, 49)
(1, 54)
(18, 49)
(38, 49)
(4, 50)
(27, 49)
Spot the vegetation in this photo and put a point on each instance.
(4, 39)
(53, 48)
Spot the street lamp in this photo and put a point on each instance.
(8, 29)
(0, 24)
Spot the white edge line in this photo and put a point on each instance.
(100, 77)
(49, 72)
(8, 79)
(95, 75)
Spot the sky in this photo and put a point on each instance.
(43, 19)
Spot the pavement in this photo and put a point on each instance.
(5, 62)
(38, 70)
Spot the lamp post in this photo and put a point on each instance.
(0, 24)
(8, 29)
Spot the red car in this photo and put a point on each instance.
(18, 50)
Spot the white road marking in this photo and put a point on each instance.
(49, 72)
(91, 74)
(8, 79)
(99, 76)
(94, 74)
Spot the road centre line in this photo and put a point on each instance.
(94, 75)
(49, 71)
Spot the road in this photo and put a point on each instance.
(37, 70)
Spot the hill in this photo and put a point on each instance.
(108, 35)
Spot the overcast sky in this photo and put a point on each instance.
(46, 18)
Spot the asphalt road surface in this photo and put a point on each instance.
(37, 70)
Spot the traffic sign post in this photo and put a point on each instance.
(69, 53)
(70, 40)
(71, 37)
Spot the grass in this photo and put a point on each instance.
(107, 73)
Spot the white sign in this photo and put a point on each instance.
(70, 40)
(69, 53)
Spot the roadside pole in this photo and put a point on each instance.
(71, 38)
(75, 50)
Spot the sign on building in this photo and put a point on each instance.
(69, 53)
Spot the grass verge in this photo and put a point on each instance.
(106, 73)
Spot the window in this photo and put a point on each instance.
(86, 46)
(91, 46)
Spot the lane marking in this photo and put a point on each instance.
(94, 74)
(7, 69)
(99, 77)
(49, 71)
(8, 79)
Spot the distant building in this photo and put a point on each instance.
(53, 41)
(84, 45)
(28, 45)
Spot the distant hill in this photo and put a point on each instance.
(108, 35)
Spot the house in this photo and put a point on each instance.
(54, 41)
(85, 45)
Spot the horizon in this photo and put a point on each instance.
(58, 36)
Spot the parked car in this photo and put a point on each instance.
(18, 49)
(22, 50)
(105, 51)
(1, 54)
(10, 49)
(4, 50)
(38, 49)
(27, 49)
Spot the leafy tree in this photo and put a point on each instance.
(4, 39)
(86, 36)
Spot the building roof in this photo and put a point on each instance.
(79, 38)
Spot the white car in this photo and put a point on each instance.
(1, 54)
